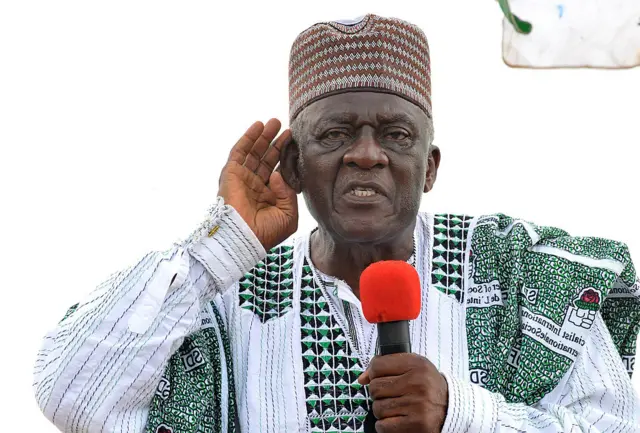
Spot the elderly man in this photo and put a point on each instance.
(522, 327)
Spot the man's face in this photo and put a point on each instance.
(363, 159)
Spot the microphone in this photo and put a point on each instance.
(390, 297)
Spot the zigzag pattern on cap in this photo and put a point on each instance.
(377, 53)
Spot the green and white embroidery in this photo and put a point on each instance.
(188, 397)
(532, 296)
(449, 240)
(268, 288)
(335, 400)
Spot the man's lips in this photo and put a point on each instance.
(364, 189)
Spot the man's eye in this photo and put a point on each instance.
(397, 135)
(336, 134)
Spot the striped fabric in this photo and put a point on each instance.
(224, 353)
(376, 54)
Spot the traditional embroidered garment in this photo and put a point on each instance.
(533, 329)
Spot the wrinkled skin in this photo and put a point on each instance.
(369, 139)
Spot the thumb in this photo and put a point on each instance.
(285, 195)
(364, 379)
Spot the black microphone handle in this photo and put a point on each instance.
(393, 337)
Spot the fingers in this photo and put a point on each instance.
(261, 144)
(254, 143)
(394, 365)
(386, 387)
(364, 378)
(272, 155)
(389, 407)
(393, 424)
(240, 150)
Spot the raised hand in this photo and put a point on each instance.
(259, 194)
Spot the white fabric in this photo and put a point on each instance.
(95, 375)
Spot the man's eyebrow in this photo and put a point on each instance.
(343, 118)
(396, 117)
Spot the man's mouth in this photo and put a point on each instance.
(363, 192)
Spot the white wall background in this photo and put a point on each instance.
(116, 117)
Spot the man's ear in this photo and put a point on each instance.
(289, 159)
(433, 162)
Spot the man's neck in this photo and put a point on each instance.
(346, 261)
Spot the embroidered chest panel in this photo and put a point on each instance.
(267, 290)
(335, 401)
(449, 242)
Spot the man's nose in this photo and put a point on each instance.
(366, 153)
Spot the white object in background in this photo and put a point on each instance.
(574, 33)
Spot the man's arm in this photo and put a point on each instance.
(97, 371)
(410, 394)
(596, 396)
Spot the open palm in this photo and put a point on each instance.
(258, 193)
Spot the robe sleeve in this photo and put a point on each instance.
(595, 395)
(98, 369)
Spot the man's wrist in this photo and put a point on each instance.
(225, 245)
(471, 407)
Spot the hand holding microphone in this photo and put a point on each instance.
(409, 393)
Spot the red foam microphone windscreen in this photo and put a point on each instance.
(390, 291)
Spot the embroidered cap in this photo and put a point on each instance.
(370, 53)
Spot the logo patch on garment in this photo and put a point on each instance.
(589, 300)
(164, 388)
(193, 359)
(584, 309)
(164, 429)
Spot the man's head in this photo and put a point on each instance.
(360, 108)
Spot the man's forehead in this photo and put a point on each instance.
(351, 106)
